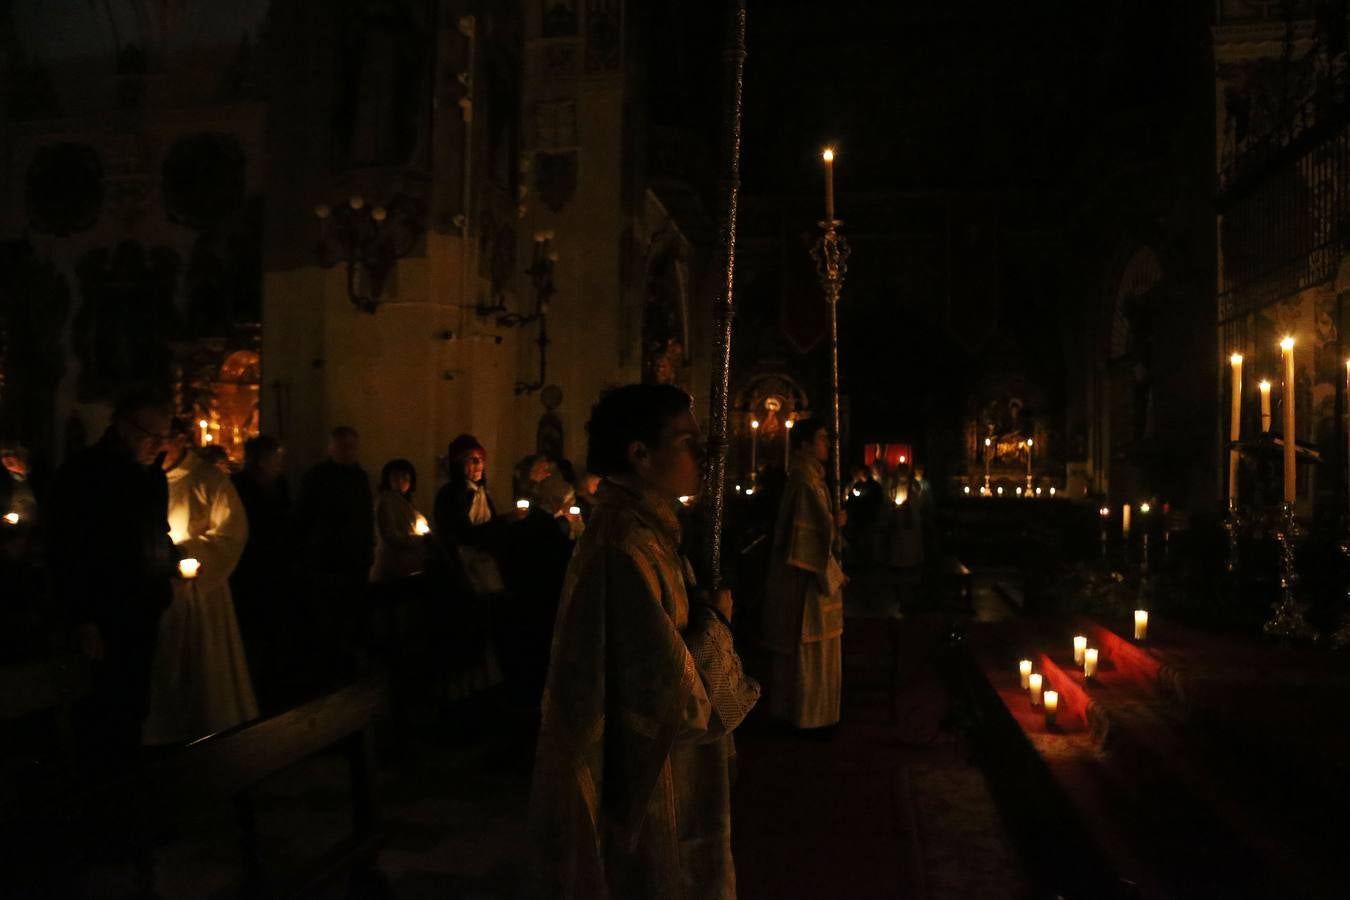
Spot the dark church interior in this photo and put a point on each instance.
(503, 449)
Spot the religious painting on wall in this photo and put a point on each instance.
(126, 317)
(665, 332)
(63, 189)
(604, 36)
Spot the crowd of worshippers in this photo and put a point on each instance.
(205, 596)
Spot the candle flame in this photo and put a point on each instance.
(1265, 385)
(1144, 507)
(754, 423)
(12, 518)
(789, 423)
(1287, 343)
(828, 155)
(1236, 359)
(421, 527)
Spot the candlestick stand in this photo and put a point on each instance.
(1289, 620)
(831, 254)
(1340, 638)
(1232, 526)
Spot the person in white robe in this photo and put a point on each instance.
(804, 602)
(200, 681)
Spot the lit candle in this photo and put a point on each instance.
(522, 504)
(1265, 405)
(1034, 682)
(1234, 429)
(684, 499)
(574, 510)
(787, 445)
(1051, 701)
(1024, 668)
(1140, 624)
(1079, 645)
(421, 527)
(202, 424)
(188, 567)
(11, 518)
(1290, 435)
(1125, 521)
(1090, 662)
(754, 439)
(828, 156)
(1030, 444)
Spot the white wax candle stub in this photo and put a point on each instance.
(188, 567)
(574, 510)
(12, 518)
(422, 528)
(1050, 699)
(1036, 681)
(1090, 662)
(522, 504)
(1024, 669)
(1079, 645)
(1140, 624)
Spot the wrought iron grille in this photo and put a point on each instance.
(1287, 227)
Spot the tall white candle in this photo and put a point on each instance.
(828, 156)
(754, 439)
(1079, 645)
(1234, 428)
(787, 445)
(1140, 624)
(1035, 685)
(1024, 669)
(1290, 434)
(1090, 662)
(1125, 521)
(1265, 406)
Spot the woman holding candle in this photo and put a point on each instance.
(465, 523)
(400, 551)
(200, 682)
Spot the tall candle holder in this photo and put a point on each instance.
(831, 254)
(1289, 620)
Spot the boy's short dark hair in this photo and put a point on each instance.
(804, 430)
(634, 412)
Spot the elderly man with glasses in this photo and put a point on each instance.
(114, 561)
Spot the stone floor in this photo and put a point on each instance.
(888, 807)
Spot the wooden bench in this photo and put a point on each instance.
(228, 766)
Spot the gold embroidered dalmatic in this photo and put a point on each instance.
(803, 609)
(630, 797)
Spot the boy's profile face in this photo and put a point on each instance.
(674, 467)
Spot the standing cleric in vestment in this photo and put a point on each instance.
(804, 600)
(631, 792)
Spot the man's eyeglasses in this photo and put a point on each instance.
(153, 435)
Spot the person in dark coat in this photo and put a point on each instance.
(263, 583)
(335, 515)
(113, 561)
(463, 513)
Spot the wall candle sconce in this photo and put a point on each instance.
(369, 241)
(541, 277)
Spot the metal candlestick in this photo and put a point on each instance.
(1290, 617)
(831, 254)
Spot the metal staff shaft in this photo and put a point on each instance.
(723, 304)
(831, 254)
